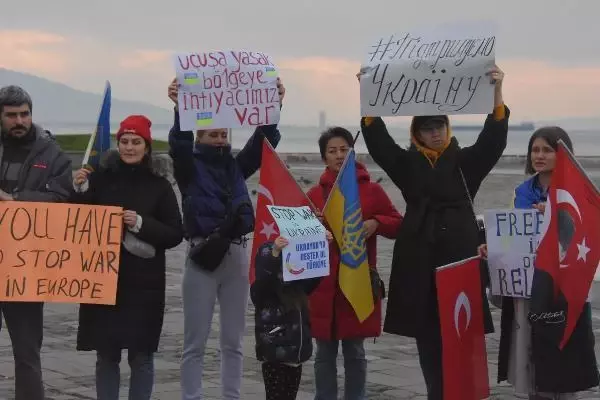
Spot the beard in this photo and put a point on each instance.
(15, 131)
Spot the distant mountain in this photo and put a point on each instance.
(56, 102)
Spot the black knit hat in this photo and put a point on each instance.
(421, 120)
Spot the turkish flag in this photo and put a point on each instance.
(569, 249)
(464, 357)
(276, 186)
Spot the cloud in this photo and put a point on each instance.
(540, 90)
(320, 84)
(534, 89)
(34, 51)
(144, 58)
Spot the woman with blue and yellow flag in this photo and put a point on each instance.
(438, 180)
(344, 307)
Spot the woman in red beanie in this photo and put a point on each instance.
(152, 223)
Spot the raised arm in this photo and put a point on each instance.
(478, 160)
(383, 149)
(181, 145)
(250, 157)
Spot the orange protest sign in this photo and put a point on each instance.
(55, 252)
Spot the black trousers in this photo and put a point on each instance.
(25, 323)
(281, 381)
(429, 346)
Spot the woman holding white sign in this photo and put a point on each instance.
(218, 214)
(438, 179)
(561, 373)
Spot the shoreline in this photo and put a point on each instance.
(508, 164)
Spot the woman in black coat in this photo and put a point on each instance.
(151, 224)
(439, 226)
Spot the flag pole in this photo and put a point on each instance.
(88, 151)
(454, 264)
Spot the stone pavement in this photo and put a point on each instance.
(394, 371)
(393, 365)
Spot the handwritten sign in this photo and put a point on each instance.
(512, 237)
(437, 71)
(65, 253)
(226, 89)
(307, 254)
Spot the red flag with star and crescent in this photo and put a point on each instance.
(569, 248)
(464, 356)
(276, 186)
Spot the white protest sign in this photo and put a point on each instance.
(439, 70)
(226, 89)
(307, 254)
(512, 240)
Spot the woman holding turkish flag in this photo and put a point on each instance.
(531, 364)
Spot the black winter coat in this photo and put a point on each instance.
(439, 225)
(282, 323)
(135, 321)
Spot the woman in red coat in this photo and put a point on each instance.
(332, 318)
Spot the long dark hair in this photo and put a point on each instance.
(551, 134)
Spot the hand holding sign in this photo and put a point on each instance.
(496, 76)
(280, 90)
(5, 196)
(306, 254)
(173, 91)
(279, 244)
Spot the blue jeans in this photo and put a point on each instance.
(355, 369)
(108, 375)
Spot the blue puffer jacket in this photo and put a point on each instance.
(209, 177)
(529, 193)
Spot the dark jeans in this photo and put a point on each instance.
(281, 381)
(25, 323)
(355, 369)
(108, 375)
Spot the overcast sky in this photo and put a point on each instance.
(549, 49)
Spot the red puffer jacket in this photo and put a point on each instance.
(331, 315)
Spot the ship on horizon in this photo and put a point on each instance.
(523, 126)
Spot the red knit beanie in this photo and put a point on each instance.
(138, 125)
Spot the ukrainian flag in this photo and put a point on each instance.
(100, 140)
(344, 216)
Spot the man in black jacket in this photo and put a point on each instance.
(32, 168)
